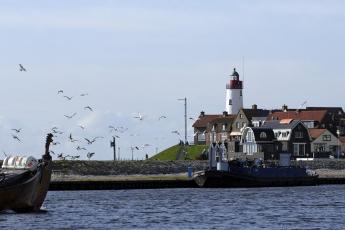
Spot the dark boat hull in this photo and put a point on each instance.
(219, 179)
(29, 195)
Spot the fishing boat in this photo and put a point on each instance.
(246, 173)
(24, 181)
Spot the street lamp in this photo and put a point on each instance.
(113, 144)
(185, 118)
(338, 133)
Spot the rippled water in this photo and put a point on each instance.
(321, 207)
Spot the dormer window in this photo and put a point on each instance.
(263, 135)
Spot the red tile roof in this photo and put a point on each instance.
(215, 118)
(204, 120)
(316, 115)
(315, 133)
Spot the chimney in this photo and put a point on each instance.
(254, 107)
(202, 114)
(284, 108)
(225, 114)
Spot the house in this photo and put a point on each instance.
(292, 137)
(324, 143)
(258, 141)
(200, 126)
(331, 118)
(218, 130)
(212, 128)
(247, 117)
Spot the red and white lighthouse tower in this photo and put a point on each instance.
(234, 98)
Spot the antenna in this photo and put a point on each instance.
(243, 68)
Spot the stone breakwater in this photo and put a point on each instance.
(112, 168)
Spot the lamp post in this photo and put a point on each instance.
(185, 118)
(113, 144)
(338, 133)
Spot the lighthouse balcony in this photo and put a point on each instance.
(234, 84)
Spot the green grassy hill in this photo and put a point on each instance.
(193, 152)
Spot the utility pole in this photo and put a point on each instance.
(185, 119)
(113, 144)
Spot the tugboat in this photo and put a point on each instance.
(245, 173)
(24, 181)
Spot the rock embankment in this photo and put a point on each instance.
(107, 168)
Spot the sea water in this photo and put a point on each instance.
(316, 207)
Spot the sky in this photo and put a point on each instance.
(135, 57)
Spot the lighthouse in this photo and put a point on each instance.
(234, 98)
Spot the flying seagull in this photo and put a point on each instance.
(88, 107)
(69, 117)
(175, 131)
(21, 68)
(71, 138)
(89, 142)
(89, 155)
(80, 148)
(68, 98)
(16, 130)
(60, 91)
(15, 137)
(84, 94)
(139, 116)
(75, 157)
(161, 117)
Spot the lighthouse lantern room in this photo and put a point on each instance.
(234, 98)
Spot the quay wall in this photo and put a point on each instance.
(149, 167)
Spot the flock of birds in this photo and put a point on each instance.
(82, 144)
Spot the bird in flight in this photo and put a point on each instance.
(88, 107)
(89, 142)
(175, 131)
(71, 138)
(84, 94)
(71, 116)
(162, 117)
(80, 148)
(139, 116)
(52, 152)
(75, 157)
(112, 128)
(15, 137)
(82, 127)
(60, 91)
(68, 98)
(16, 130)
(89, 155)
(21, 68)
(191, 118)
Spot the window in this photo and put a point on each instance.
(326, 137)
(263, 135)
(237, 125)
(243, 124)
(299, 149)
(299, 134)
(249, 136)
(240, 92)
(320, 147)
(284, 134)
(230, 102)
(224, 127)
(241, 115)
